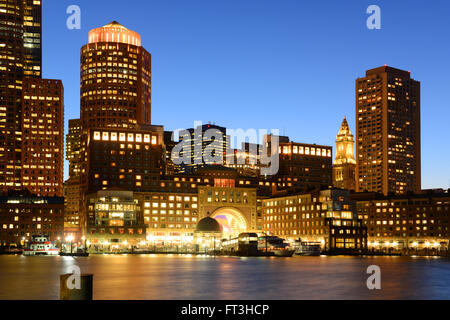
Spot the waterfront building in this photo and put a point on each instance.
(115, 79)
(114, 220)
(405, 222)
(23, 215)
(72, 185)
(344, 165)
(326, 216)
(388, 132)
(172, 208)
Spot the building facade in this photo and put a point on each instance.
(115, 79)
(42, 136)
(402, 222)
(24, 150)
(388, 132)
(114, 221)
(23, 216)
(303, 166)
(344, 165)
(11, 75)
(32, 38)
(326, 216)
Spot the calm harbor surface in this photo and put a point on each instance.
(152, 276)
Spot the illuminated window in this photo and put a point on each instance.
(96, 135)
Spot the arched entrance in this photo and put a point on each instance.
(232, 221)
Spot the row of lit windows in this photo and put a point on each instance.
(121, 136)
(304, 150)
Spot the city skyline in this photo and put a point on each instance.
(184, 139)
(291, 92)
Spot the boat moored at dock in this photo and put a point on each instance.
(40, 245)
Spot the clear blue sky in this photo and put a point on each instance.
(287, 64)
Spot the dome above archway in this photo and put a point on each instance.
(208, 224)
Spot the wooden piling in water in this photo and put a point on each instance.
(84, 293)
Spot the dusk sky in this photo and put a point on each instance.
(286, 64)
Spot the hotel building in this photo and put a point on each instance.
(401, 222)
(42, 136)
(127, 158)
(388, 132)
(326, 216)
(170, 210)
(115, 79)
(114, 220)
(27, 215)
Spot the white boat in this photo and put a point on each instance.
(40, 245)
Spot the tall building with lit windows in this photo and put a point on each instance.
(42, 136)
(344, 165)
(115, 79)
(73, 145)
(20, 58)
(11, 74)
(32, 38)
(388, 132)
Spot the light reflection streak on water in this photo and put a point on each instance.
(158, 276)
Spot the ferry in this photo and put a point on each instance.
(40, 245)
(276, 245)
(303, 248)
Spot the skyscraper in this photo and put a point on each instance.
(31, 108)
(32, 38)
(11, 74)
(344, 165)
(42, 136)
(388, 131)
(115, 79)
